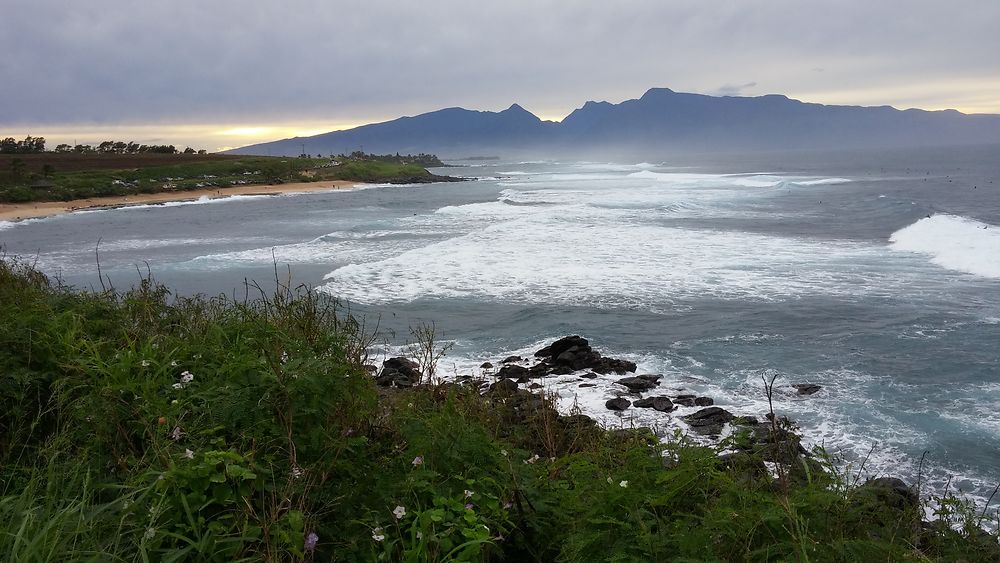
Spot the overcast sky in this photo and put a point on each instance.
(215, 73)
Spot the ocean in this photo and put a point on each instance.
(875, 274)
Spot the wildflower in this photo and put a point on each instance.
(178, 385)
(150, 532)
(420, 535)
(296, 472)
(468, 493)
(610, 481)
(623, 484)
(377, 534)
(187, 377)
(311, 540)
(409, 405)
(284, 357)
(174, 402)
(503, 453)
(418, 461)
(469, 506)
(144, 363)
(532, 459)
(188, 454)
(175, 434)
(399, 512)
(508, 505)
(173, 364)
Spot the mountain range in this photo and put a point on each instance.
(660, 121)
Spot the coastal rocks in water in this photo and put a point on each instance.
(685, 400)
(503, 387)
(640, 382)
(511, 360)
(703, 401)
(486, 365)
(573, 353)
(535, 386)
(589, 375)
(806, 388)
(709, 421)
(662, 404)
(588, 385)
(399, 372)
(513, 371)
(618, 404)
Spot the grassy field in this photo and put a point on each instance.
(71, 176)
(137, 427)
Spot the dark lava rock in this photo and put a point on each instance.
(708, 421)
(559, 346)
(685, 400)
(503, 387)
(806, 388)
(589, 375)
(703, 402)
(511, 359)
(588, 385)
(399, 372)
(640, 382)
(618, 404)
(370, 368)
(661, 404)
(535, 386)
(486, 365)
(513, 372)
(574, 353)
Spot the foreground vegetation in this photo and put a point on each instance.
(136, 427)
(72, 176)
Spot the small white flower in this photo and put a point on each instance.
(188, 454)
(420, 535)
(284, 357)
(532, 459)
(468, 493)
(410, 405)
(297, 472)
(145, 363)
(150, 532)
(173, 364)
(399, 512)
(377, 534)
(174, 402)
(610, 481)
(503, 453)
(175, 434)
(418, 461)
(187, 377)
(623, 484)
(178, 385)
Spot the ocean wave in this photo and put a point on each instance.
(954, 243)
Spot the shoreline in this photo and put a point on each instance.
(36, 210)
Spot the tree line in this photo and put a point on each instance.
(31, 145)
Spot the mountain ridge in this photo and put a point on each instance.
(660, 120)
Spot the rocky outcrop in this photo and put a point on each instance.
(640, 382)
(574, 353)
(618, 404)
(662, 404)
(709, 421)
(399, 372)
(806, 388)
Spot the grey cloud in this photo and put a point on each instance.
(108, 61)
(733, 90)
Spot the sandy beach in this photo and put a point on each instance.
(30, 210)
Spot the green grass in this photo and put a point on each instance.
(196, 174)
(108, 452)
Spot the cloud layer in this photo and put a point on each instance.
(184, 61)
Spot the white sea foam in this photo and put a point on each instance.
(953, 242)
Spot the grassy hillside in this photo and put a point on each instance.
(136, 427)
(58, 177)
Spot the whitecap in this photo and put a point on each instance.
(953, 242)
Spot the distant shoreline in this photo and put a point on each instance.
(34, 210)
